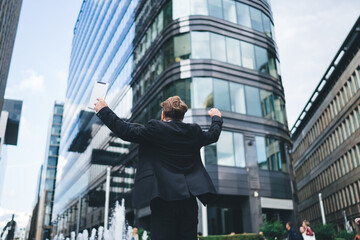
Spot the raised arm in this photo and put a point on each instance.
(126, 131)
(212, 135)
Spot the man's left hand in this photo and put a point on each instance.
(100, 104)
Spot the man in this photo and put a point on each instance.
(170, 174)
(291, 232)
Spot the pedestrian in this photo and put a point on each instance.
(306, 231)
(134, 234)
(170, 174)
(291, 232)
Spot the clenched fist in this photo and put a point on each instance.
(214, 112)
(100, 104)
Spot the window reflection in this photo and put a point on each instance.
(202, 93)
(256, 19)
(239, 150)
(225, 149)
(182, 47)
(237, 96)
(221, 94)
(199, 7)
(252, 101)
(261, 59)
(200, 45)
(206, 92)
(228, 151)
(229, 10)
(233, 51)
(218, 51)
(243, 14)
(270, 154)
(215, 8)
(247, 54)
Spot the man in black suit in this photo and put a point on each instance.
(170, 173)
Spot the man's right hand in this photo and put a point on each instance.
(214, 112)
(357, 220)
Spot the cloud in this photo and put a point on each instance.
(33, 82)
(21, 218)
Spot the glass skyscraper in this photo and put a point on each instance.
(212, 54)
(41, 219)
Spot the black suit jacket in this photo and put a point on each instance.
(169, 164)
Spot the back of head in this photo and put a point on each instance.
(174, 108)
(307, 223)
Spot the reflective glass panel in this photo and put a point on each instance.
(239, 150)
(200, 45)
(279, 106)
(256, 19)
(210, 154)
(229, 10)
(57, 119)
(215, 8)
(50, 173)
(202, 93)
(52, 161)
(180, 8)
(247, 55)
(199, 7)
(237, 97)
(253, 101)
(183, 90)
(267, 25)
(261, 152)
(272, 65)
(243, 14)
(267, 104)
(182, 47)
(221, 94)
(233, 51)
(225, 149)
(261, 59)
(218, 50)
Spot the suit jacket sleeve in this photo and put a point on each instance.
(130, 132)
(212, 135)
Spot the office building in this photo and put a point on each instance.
(325, 154)
(40, 227)
(9, 130)
(212, 54)
(9, 12)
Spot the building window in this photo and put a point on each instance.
(221, 94)
(215, 8)
(198, 7)
(252, 101)
(200, 44)
(228, 151)
(202, 93)
(243, 14)
(182, 47)
(233, 51)
(218, 50)
(229, 10)
(270, 154)
(237, 96)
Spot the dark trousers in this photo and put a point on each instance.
(175, 220)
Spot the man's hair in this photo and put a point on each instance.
(307, 223)
(290, 224)
(174, 108)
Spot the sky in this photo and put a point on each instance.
(308, 34)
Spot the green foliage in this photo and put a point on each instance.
(324, 232)
(273, 230)
(345, 235)
(245, 236)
